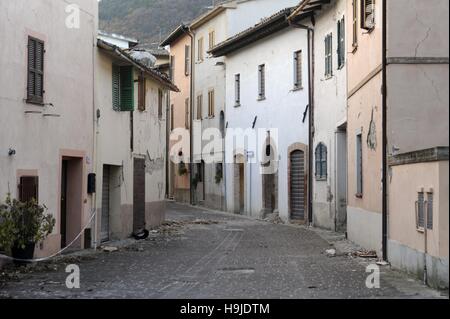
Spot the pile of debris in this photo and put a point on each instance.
(362, 253)
(274, 219)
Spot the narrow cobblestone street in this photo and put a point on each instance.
(204, 254)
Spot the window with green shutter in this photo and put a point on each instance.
(126, 88)
(116, 87)
(35, 85)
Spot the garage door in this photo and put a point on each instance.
(298, 186)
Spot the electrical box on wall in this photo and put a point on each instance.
(91, 183)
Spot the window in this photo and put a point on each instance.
(212, 39)
(160, 103)
(186, 114)
(261, 82)
(298, 70)
(355, 24)
(321, 162)
(329, 55)
(28, 188)
(172, 68)
(187, 60)
(141, 92)
(211, 102)
(341, 42)
(199, 107)
(35, 85)
(420, 211)
(367, 14)
(359, 166)
(430, 210)
(237, 89)
(122, 88)
(172, 118)
(200, 50)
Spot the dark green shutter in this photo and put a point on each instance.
(126, 88)
(116, 87)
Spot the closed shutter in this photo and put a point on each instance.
(187, 60)
(35, 85)
(126, 88)
(28, 188)
(262, 81)
(355, 23)
(298, 69)
(298, 186)
(430, 210)
(237, 88)
(186, 113)
(141, 93)
(199, 107)
(341, 42)
(160, 103)
(116, 87)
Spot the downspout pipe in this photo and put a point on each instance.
(385, 140)
(190, 34)
(311, 61)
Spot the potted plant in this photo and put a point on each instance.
(22, 225)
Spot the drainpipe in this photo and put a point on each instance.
(190, 34)
(311, 62)
(385, 141)
(95, 137)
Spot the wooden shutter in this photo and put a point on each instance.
(341, 42)
(160, 102)
(430, 202)
(211, 100)
(172, 68)
(141, 93)
(298, 69)
(35, 85)
(212, 39)
(126, 88)
(116, 87)
(187, 60)
(199, 107)
(186, 113)
(200, 49)
(355, 23)
(237, 88)
(28, 188)
(262, 81)
(172, 115)
(359, 165)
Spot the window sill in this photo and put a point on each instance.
(359, 196)
(341, 66)
(321, 179)
(297, 88)
(261, 99)
(237, 105)
(369, 30)
(355, 48)
(34, 102)
(328, 77)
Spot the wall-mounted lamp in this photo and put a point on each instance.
(11, 152)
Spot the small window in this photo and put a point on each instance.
(261, 82)
(359, 166)
(160, 103)
(341, 43)
(298, 70)
(321, 162)
(200, 50)
(237, 89)
(212, 39)
(172, 118)
(122, 88)
(420, 211)
(355, 24)
(211, 103)
(35, 86)
(187, 60)
(172, 68)
(141, 93)
(430, 203)
(186, 113)
(329, 55)
(28, 188)
(199, 107)
(368, 14)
